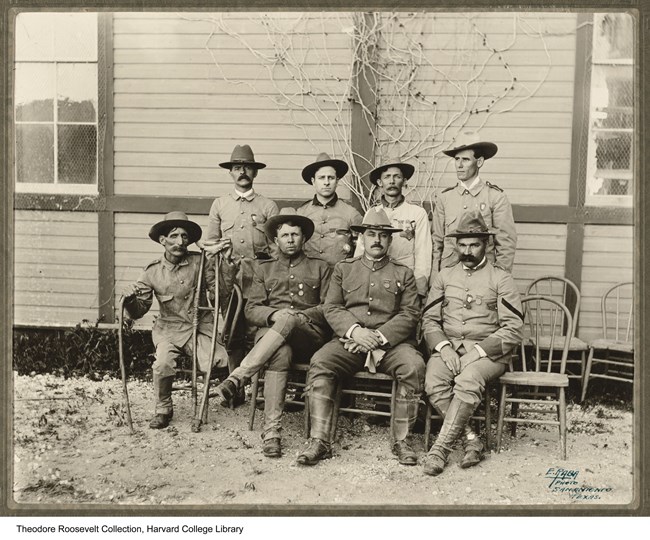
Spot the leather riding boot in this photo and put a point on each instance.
(321, 394)
(473, 447)
(239, 396)
(404, 416)
(164, 410)
(471, 442)
(456, 419)
(275, 387)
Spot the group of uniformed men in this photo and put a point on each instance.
(312, 296)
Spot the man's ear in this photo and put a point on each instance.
(480, 161)
(275, 241)
(161, 238)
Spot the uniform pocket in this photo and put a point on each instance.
(311, 291)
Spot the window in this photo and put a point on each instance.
(611, 116)
(56, 103)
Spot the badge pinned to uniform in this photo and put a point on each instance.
(479, 300)
(482, 206)
(468, 301)
(387, 284)
(300, 291)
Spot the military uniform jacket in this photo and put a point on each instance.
(173, 286)
(242, 220)
(411, 247)
(332, 238)
(299, 283)
(474, 306)
(380, 295)
(493, 204)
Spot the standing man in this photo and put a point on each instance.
(238, 220)
(172, 279)
(412, 246)
(332, 240)
(373, 307)
(284, 302)
(473, 321)
(472, 193)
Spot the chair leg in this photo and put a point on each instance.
(513, 425)
(502, 415)
(562, 423)
(427, 425)
(307, 418)
(393, 398)
(587, 373)
(488, 418)
(255, 384)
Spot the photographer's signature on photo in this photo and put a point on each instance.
(566, 481)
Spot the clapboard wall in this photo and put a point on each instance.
(187, 88)
(55, 267)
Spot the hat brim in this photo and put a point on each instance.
(406, 168)
(305, 224)
(194, 231)
(229, 164)
(488, 149)
(477, 234)
(341, 168)
(385, 228)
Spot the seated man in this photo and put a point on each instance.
(284, 302)
(472, 321)
(172, 279)
(372, 304)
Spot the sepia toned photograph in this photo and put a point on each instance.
(301, 261)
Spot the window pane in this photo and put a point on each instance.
(77, 154)
(34, 92)
(34, 37)
(35, 153)
(77, 92)
(75, 37)
(613, 36)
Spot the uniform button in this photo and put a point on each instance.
(465, 207)
(241, 241)
(321, 251)
(322, 236)
(372, 284)
(463, 322)
(466, 290)
(324, 221)
(241, 226)
(182, 281)
(187, 296)
(291, 306)
(462, 337)
(291, 266)
(373, 269)
(241, 212)
(290, 294)
(370, 299)
(291, 276)
(243, 256)
(368, 313)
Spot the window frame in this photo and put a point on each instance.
(57, 188)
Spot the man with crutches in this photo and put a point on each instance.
(172, 278)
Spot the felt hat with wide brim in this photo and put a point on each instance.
(242, 155)
(173, 220)
(471, 225)
(406, 168)
(323, 160)
(470, 141)
(288, 214)
(376, 219)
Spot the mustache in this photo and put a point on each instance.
(376, 245)
(244, 176)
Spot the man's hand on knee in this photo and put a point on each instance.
(365, 337)
(451, 359)
(469, 358)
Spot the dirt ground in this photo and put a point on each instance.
(71, 446)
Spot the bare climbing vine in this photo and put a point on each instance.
(416, 80)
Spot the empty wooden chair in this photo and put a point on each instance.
(561, 289)
(538, 368)
(615, 350)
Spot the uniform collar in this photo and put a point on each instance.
(249, 195)
(386, 204)
(375, 264)
(328, 204)
(477, 267)
(171, 265)
(291, 261)
(474, 188)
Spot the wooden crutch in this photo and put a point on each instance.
(122, 368)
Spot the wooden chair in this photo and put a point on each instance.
(546, 317)
(615, 351)
(561, 288)
(295, 390)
